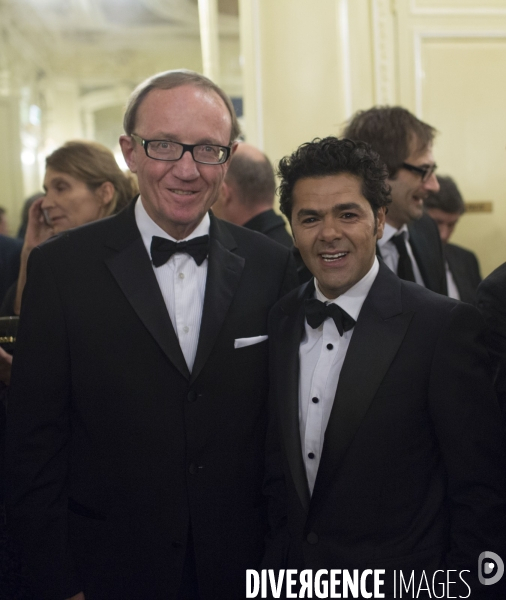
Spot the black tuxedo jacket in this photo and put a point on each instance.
(465, 270)
(491, 299)
(272, 225)
(428, 251)
(115, 451)
(412, 474)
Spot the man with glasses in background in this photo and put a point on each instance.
(137, 415)
(410, 246)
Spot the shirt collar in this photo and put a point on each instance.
(389, 232)
(148, 228)
(352, 300)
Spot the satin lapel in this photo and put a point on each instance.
(377, 336)
(288, 338)
(223, 276)
(132, 269)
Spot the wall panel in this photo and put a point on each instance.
(464, 96)
(452, 73)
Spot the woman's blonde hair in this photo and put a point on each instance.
(94, 164)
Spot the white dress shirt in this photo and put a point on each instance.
(181, 282)
(322, 353)
(390, 254)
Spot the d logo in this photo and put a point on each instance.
(487, 562)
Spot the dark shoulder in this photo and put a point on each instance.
(434, 315)
(252, 244)
(413, 297)
(424, 226)
(495, 282)
(414, 293)
(459, 252)
(91, 241)
(8, 244)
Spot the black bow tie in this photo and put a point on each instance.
(317, 312)
(162, 249)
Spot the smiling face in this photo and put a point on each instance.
(177, 194)
(335, 230)
(69, 202)
(409, 191)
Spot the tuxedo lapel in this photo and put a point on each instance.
(379, 332)
(287, 366)
(132, 269)
(223, 276)
(428, 252)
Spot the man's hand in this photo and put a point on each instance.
(5, 366)
(79, 596)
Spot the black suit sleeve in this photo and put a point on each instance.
(467, 425)
(491, 297)
(37, 436)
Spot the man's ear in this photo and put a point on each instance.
(225, 193)
(127, 144)
(233, 148)
(380, 222)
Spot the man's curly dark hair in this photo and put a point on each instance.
(333, 156)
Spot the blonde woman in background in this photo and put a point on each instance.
(83, 183)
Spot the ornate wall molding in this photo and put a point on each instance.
(344, 54)
(438, 11)
(384, 46)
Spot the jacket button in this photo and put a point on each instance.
(194, 468)
(192, 396)
(312, 538)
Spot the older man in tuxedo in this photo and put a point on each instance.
(386, 449)
(137, 416)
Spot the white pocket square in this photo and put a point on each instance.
(243, 342)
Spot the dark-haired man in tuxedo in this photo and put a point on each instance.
(137, 412)
(410, 245)
(389, 450)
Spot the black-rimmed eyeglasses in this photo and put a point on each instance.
(424, 172)
(206, 154)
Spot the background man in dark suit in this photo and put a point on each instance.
(390, 449)
(10, 251)
(445, 207)
(137, 417)
(247, 195)
(410, 245)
